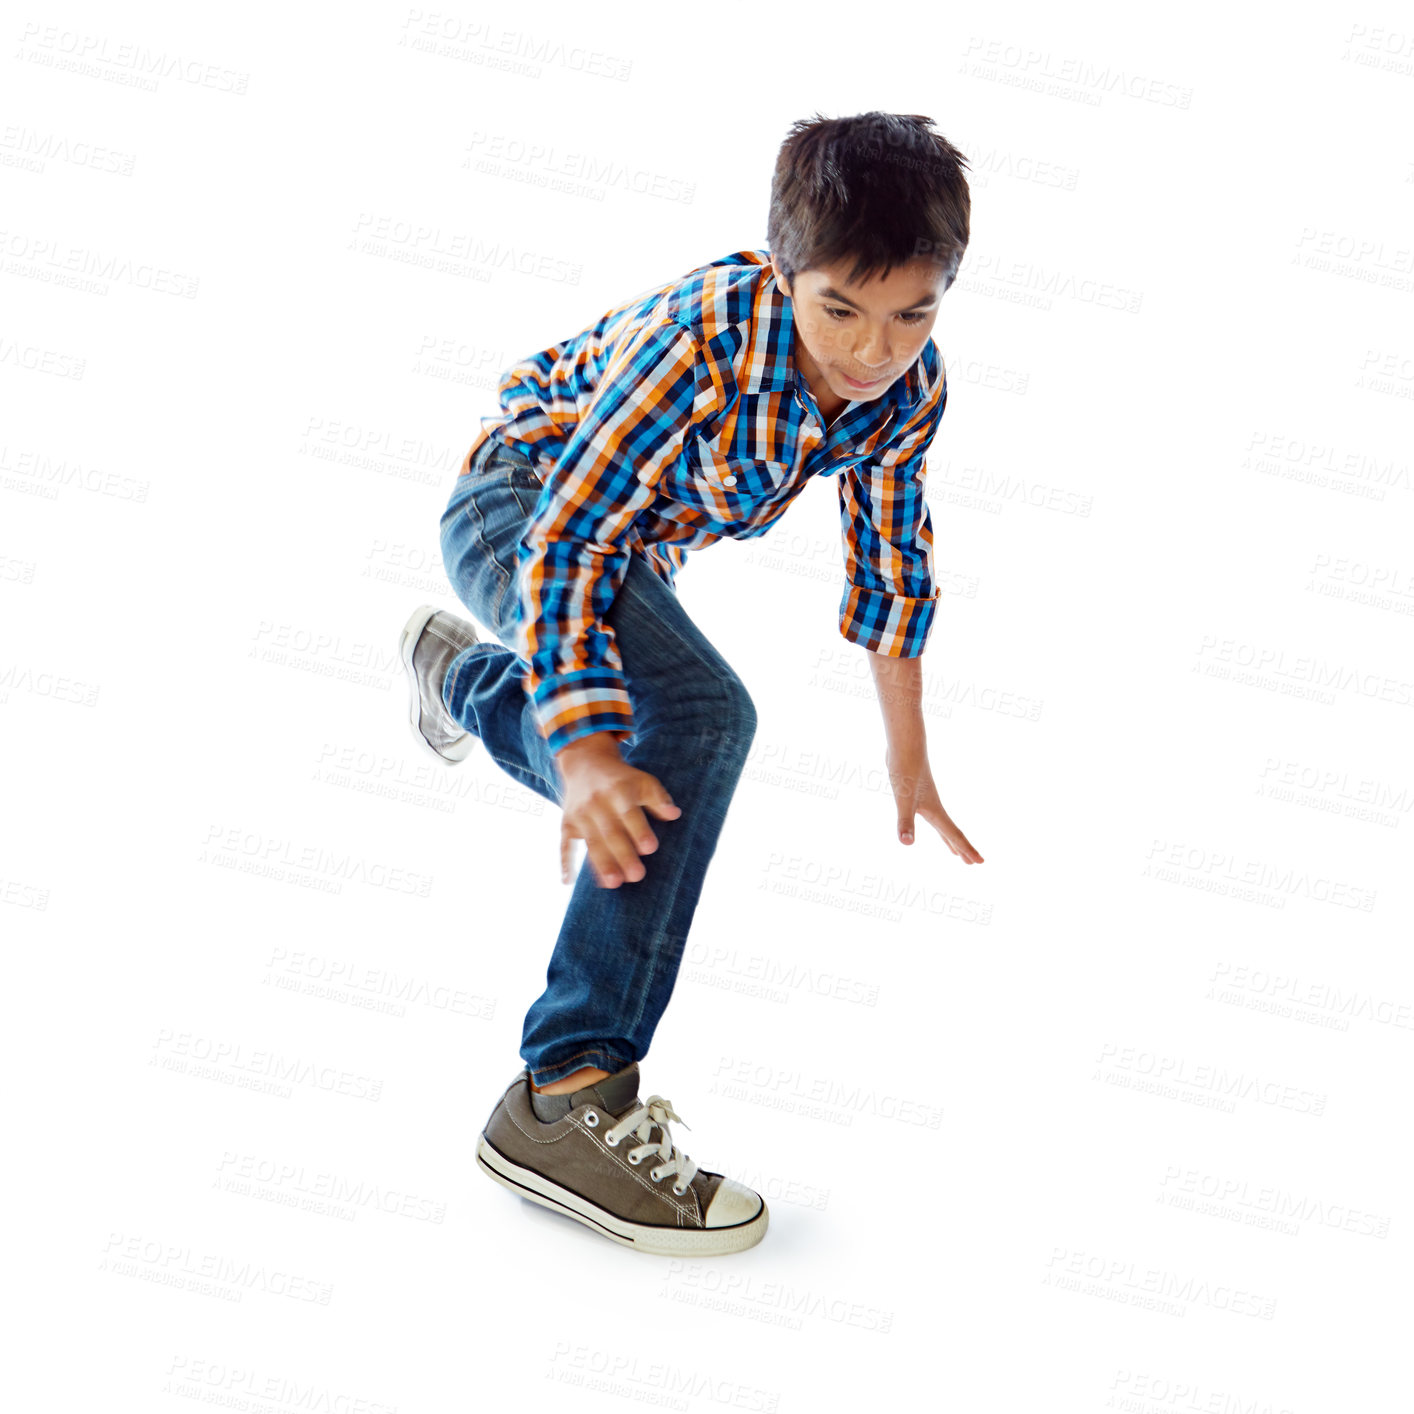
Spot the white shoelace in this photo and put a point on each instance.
(655, 1110)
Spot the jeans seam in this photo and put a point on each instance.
(684, 855)
(733, 737)
(522, 774)
(478, 524)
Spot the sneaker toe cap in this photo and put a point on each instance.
(731, 1204)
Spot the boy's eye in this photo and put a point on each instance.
(836, 313)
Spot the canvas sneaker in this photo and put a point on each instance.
(430, 639)
(606, 1158)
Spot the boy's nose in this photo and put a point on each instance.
(873, 354)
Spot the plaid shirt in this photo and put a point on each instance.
(678, 419)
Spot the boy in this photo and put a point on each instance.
(699, 409)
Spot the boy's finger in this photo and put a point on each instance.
(636, 823)
(606, 872)
(657, 799)
(615, 858)
(619, 847)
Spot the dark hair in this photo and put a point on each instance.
(881, 187)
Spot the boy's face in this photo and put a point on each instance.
(853, 341)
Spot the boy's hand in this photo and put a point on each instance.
(912, 780)
(604, 802)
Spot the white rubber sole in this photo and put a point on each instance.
(660, 1241)
(464, 745)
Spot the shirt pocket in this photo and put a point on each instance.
(728, 488)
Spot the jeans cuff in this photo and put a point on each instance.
(598, 1056)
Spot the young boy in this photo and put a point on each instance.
(698, 409)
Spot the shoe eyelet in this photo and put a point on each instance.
(634, 1160)
(678, 1191)
(592, 1120)
(611, 1141)
(655, 1175)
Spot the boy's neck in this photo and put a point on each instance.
(830, 407)
(829, 404)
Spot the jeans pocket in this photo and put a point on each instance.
(523, 478)
(481, 540)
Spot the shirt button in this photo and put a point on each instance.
(729, 481)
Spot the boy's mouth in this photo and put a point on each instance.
(863, 386)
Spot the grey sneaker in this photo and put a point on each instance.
(592, 1163)
(431, 638)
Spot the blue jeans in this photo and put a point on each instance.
(612, 971)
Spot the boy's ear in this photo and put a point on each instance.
(780, 279)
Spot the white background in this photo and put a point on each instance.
(1115, 1120)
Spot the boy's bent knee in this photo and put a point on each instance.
(712, 717)
(729, 734)
(744, 716)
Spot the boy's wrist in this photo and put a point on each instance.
(600, 743)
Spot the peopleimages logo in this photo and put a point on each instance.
(787, 1089)
(227, 844)
(1173, 1075)
(232, 1063)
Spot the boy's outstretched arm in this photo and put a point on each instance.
(890, 600)
(899, 683)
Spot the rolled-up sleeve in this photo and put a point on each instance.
(577, 545)
(891, 594)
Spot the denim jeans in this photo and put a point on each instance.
(617, 956)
